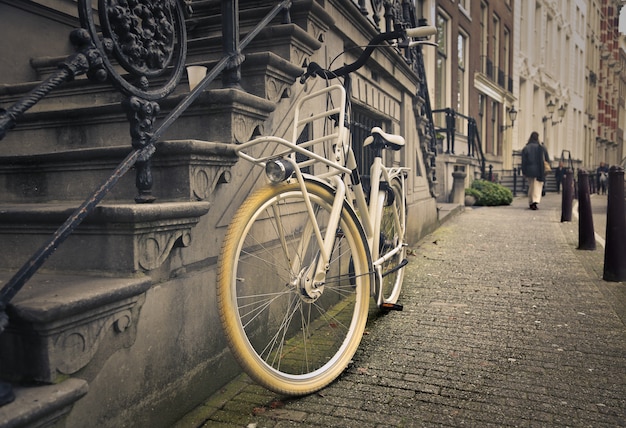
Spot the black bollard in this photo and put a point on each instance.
(615, 250)
(586, 235)
(568, 196)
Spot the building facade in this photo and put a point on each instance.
(607, 141)
(551, 66)
(122, 319)
(471, 83)
(550, 62)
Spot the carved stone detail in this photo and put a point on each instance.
(64, 323)
(377, 7)
(298, 54)
(312, 17)
(275, 89)
(76, 347)
(243, 127)
(318, 31)
(154, 248)
(204, 180)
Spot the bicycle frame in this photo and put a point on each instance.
(341, 172)
(369, 213)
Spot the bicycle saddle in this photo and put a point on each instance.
(380, 137)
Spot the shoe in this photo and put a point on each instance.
(534, 206)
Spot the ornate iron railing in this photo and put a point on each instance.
(153, 56)
(451, 130)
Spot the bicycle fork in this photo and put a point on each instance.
(313, 277)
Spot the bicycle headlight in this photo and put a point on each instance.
(278, 170)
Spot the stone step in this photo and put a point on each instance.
(207, 18)
(80, 113)
(115, 238)
(183, 170)
(40, 192)
(507, 181)
(82, 116)
(59, 322)
(42, 405)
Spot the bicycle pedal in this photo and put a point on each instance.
(391, 307)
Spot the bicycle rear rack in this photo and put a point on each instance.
(327, 149)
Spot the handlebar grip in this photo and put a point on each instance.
(425, 31)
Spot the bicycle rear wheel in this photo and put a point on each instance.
(286, 338)
(392, 238)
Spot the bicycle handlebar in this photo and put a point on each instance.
(424, 31)
(314, 69)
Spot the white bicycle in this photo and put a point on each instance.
(303, 254)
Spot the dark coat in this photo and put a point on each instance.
(533, 155)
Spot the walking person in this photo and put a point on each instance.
(533, 157)
(602, 174)
(559, 173)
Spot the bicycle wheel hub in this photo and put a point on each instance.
(309, 292)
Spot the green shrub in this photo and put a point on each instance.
(489, 194)
(473, 192)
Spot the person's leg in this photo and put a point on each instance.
(538, 189)
(535, 188)
(531, 187)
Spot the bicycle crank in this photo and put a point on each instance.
(400, 265)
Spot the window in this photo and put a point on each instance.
(491, 142)
(495, 38)
(482, 100)
(465, 6)
(507, 59)
(362, 124)
(525, 34)
(441, 84)
(462, 84)
(539, 36)
(484, 38)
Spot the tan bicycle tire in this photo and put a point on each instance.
(351, 295)
(395, 235)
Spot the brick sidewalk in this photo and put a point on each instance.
(505, 323)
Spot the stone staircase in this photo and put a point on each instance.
(102, 291)
(508, 182)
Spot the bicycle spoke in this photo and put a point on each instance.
(281, 333)
(258, 306)
(292, 332)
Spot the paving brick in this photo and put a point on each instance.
(505, 323)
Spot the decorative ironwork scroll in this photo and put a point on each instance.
(147, 38)
(142, 114)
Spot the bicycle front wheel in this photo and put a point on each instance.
(287, 337)
(392, 241)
